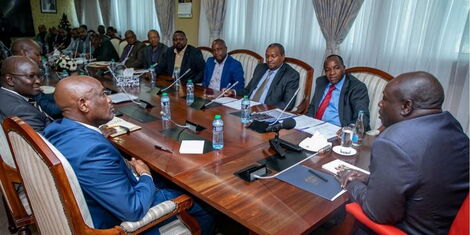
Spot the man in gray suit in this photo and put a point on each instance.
(20, 82)
(132, 56)
(273, 82)
(419, 163)
(155, 52)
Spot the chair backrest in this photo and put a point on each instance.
(249, 60)
(375, 80)
(51, 186)
(206, 52)
(305, 84)
(115, 42)
(122, 45)
(147, 42)
(461, 224)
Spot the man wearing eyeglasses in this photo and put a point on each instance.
(20, 81)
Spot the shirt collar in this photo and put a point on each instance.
(275, 71)
(16, 93)
(223, 61)
(89, 126)
(182, 51)
(340, 84)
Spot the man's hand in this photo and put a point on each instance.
(106, 131)
(228, 92)
(348, 175)
(140, 167)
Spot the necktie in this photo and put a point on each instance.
(38, 107)
(260, 90)
(324, 103)
(126, 53)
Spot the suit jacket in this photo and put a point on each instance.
(48, 105)
(15, 105)
(231, 73)
(161, 56)
(353, 98)
(282, 88)
(418, 175)
(192, 59)
(136, 57)
(111, 191)
(105, 52)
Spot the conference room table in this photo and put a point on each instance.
(264, 206)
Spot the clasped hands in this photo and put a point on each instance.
(139, 167)
(348, 175)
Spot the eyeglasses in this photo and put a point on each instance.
(29, 76)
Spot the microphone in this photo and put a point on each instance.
(143, 105)
(178, 125)
(286, 125)
(287, 105)
(223, 92)
(177, 80)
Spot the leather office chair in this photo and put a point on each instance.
(115, 42)
(459, 226)
(122, 45)
(249, 60)
(305, 84)
(55, 195)
(16, 204)
(375, 80)
(206, 52)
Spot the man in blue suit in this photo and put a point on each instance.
(112, 192)
(222, 70)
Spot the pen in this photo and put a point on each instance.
(317, 175)
(163, 148)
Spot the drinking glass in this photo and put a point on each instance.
(347, 133)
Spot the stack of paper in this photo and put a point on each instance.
(121, 126)
(121, 97)
(338, 165)
(312, 125)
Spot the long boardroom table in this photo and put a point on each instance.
(267, 206)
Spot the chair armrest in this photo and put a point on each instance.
(355, 210)
(159, 213)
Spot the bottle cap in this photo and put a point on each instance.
(217, 116)
(245, 97)
(112, 60)
(164, 94)
(82, 73)
(190, 80)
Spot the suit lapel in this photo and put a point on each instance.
(343, 94)
(225, 79)
(276, 80)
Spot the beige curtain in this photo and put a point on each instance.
(215, 12)
(166, 19)
(335, 19)
(105, 11)
(78, 10)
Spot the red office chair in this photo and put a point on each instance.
(459, 226)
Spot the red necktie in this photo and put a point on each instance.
(324, 103)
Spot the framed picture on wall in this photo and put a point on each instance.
(48, 6)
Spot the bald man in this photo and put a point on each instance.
(419, 164)
(112, 192)
(20, 82)
(339, 96)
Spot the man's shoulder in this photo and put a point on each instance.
(353, 81)
(10, 99)
(139, 45)
(289, 69)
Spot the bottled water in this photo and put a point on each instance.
(217, 132)
(359, 129)
(165, 102)
(152, 76)
(245, 115)
(45, 67)
(189, 92)
(112, 65)
(63, 74)
(176, 74)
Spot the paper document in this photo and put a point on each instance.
(121, 126)
(338, 165)
(192, 147)
(326, 129)
(302, 122)
(121, 97)
(237, 104)
(271, 115)
(224, 100)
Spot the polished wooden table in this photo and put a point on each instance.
(267, 206)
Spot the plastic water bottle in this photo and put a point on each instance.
(217, 132)
(189, 92)
(45, 67)
(165, 102)
(245, 116)
(64, 74)
(152, 76)
(112, 65)
(359, 129)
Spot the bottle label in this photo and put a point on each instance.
(218, 128)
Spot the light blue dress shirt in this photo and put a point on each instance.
(331, 114)
(262, 98)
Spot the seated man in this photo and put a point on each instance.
(81, 45)
(20, 81)
(338, 96)
(181, 57)
(112, 192)
(419, 163)
(103, 49)
(273, 82)
(132, 55)
(102, 32)
(29, 48)
(155, 53)
(222, 70)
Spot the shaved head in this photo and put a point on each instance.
(82, 98)
(27, 47)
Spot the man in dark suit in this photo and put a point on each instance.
(103, 49)
(181, 57)
(419, 163)
(155, 53)
(338, 96)
(20, 82)
(132, 55)
(222, 70)
(113, 194)
(273, 82)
